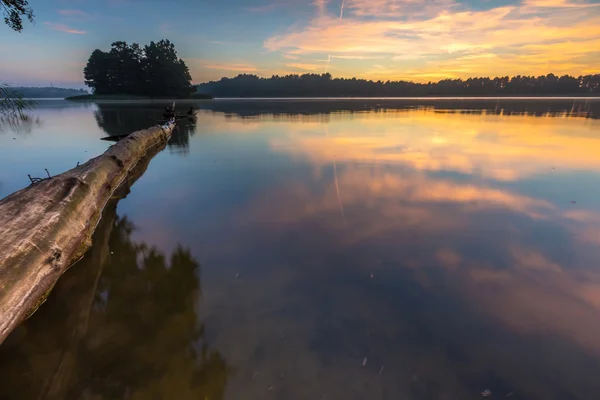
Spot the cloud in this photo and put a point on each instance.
(64, 28)
(356, 57)
(321, 6)
(229, 67)
(306, 66)
(267, 8)
(557, 4)
(165, 28)
(74, 13)
(398, 8)
(525, 38)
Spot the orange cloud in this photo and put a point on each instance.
(451, 41)
(556, 4)
(399, 8)
(321, 6)
(64, 28)
(230, 67)
(305, 66)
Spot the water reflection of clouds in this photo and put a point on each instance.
(476, 283)
(496, 147)
(520, 264)
(472, 249)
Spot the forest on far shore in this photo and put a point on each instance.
(324, 85)
(45, 92)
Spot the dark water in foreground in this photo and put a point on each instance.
(366, 249)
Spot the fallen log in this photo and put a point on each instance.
(85, 283)
(48, 226)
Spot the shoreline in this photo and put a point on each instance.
(418, 98)
(93, 97)
(421, 98)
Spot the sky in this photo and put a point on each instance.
(416, 40)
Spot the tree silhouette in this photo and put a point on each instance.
(324, 85)
(154, 71)
(14, 11)
(166, 74)
(122, 119)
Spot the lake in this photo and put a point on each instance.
(324, 249)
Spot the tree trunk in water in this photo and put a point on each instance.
(57, 384)
(48, 226)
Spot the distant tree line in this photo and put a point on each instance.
(154, 70)
(47, 92)
(324, 85)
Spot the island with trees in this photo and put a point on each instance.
(129, 71)
(323, 85)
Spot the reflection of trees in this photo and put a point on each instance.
(143, 328)
(120, 119)
(19, 125)
(120, 324)
(289, 110)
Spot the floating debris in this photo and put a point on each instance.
(371, 276)
(573, 202)
(236, 275)
(381, 370)
(270, 388)
(486, 393)
(364, 363)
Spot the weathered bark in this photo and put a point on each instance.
(48, 226)
(76, 326)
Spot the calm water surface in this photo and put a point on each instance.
(359, 249)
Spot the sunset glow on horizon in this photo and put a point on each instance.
(372, 39)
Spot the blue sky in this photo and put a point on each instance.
(378, 39)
